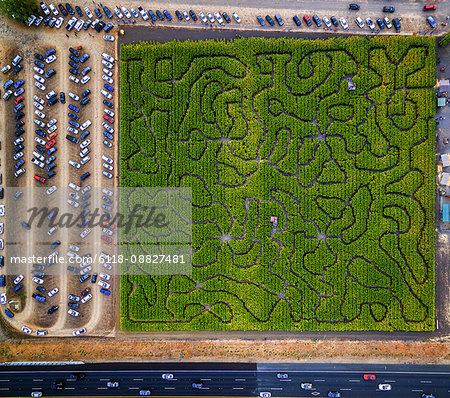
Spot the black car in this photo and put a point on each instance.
(40, 289)
(179, 15)
(69, 9)
(50, 167)
(85, 101)
(72, 139)
(100, 26)
(85, 93)
(74, 59)
(51, 311)
(40, 148)
(18, 107)
(74, 52)
(19, 124)
(19, 116)
(85, 135)
(107, 12)
(388, 9)
(39, 57)
(63, 10)
(354, 7)
(98, 13)
(317, 20)
(74, 72)
(269, 20)
(396, 24)
(73, 116)
(52, 101)
(334, 21)
(52, 23)
(226, 17)
(50, 175)
(19, 132)
(39, 64)
(108, 104)
(87, 24)
(193, 16)
(18, 68)
(279, 19)
(50, 73)
(86, 70)
(62, 97)
(18, 148)
(380, 23)
(46, 20)
(79, 12)
(297, 20)
(108, 27)
(160, 15)
(74, 65)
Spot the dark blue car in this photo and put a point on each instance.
(168, 16)
(18, 83)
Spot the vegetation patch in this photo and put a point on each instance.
(311, 165)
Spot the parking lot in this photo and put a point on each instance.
(97, 314)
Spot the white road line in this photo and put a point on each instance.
(70, 388)
(105, 379)
(285, 380)
(133, 388)
(389, 381)
(319, 380)
(4, 389)
(238, 388)
(425, 381)
(277, 388)
(345, 389)
(38, 379)
(416, 390)
(169, 388)
(205, 379)
(138, 379)
(102, 388)
(239, 379)
(36, 388)
(3, 380)
(354, 381)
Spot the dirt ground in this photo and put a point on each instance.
(105, 350)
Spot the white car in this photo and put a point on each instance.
(74, 186)
(88, 12)
(38, 70)
(112, 384)
(109, 112)
(218, 17)
(343, 23)
(108, 167)
(108, 128)
(45, 8)
(74, 164)
(79, 331)
(3, 298)
(40, 123)
(85, 233)
(49, 95)
(37, 394)
(370, 23)
(40, 114)
(202, 17)
(359, 22)
(72, 203)
(143, 13)
(85, 160)
(236, 17)
(38, 99)
(40, 141)
(40, 333)
(74, 96)
(86, 298)
(106, 277)
(107, 159)
(51, 190)
(145, 392)
(108, 192)
(94, 22)
(37, 163)
(73, 312)
(18, 280)
(74, 79)
(38, 105)
(79, 25)
(126, 12)
(118, 13)
(85, 143)
(50, 59)
(54, 10)
(18, 155)
(327, 22)
(384, 387)
(106, 94)
(85, 79)
(52, 129)
(39, 86)
(26, 330)
(265, 394)
(59, 22)
(108, 57)
(52, 292)
(85, 125)
(107, 72)
(74, 248)
(40, 79)
(83, 153)
(186, 15)
(387, 22)
(107, 174)
(85, 270)
(39, 281)
(104, 285)
(210, 17)
(72, 130)
(52, 122)
(52, 231)
(108, 38)
(134, 12)
(107, 79)
(167, 376)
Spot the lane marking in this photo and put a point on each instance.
(425, 381)
(205, 379)
(38, 379)
(354, 381)
(416, 390)
(133, 388)
(138, 379)
(345, 389)
(105, 379)
(285, 380)
(4, 389)
(389, 381)
(102, 388)
(169, 388)
(70, 388)
(239, 379)
(238, 388)
(4, 380)
(277, 388)
(319, 380)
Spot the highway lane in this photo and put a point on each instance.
(227, 379)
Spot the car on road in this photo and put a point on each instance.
(306, 386)
(388, 9)
(265, 394)
(431, 22)
(282, 376)
(112, 384)
(353, 6)
(167, 376)
(430, 7)
(369, 376)
(79, 332)
(26, 330)
(197, 385)
(384, 387)
(334, 394)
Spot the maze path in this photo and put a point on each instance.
(261, 128)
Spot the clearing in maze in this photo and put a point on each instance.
(311, 164)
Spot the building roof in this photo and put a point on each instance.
(445, 160)
(445, 178)
(441, 102)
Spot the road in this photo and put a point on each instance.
(226, 379)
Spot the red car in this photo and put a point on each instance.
(40, 179)
(307, 20)
(85, 292)
(107, 239)
(369, 376)
(18, 100)
(430, 7)
(109, 119)
(49, 144)
(108, 225)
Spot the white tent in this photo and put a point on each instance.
(445, 179)
(445, 160)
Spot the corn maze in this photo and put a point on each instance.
(311, 164)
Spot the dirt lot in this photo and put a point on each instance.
(228, 350)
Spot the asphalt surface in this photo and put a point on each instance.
(226, 379)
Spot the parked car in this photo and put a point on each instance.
(307, 20)
(431, 22)
(260, 20)
(388, 9)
